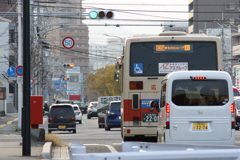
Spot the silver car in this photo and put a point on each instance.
(92, 110)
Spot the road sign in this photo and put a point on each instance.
(19, 70)
(31, 81)
(11, 72)
(68, 42)
(62, 76)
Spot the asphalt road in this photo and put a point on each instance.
(95, 139)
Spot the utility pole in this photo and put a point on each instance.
(26, 115)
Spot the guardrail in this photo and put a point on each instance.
(155, 151)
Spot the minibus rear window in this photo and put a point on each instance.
(200, 93)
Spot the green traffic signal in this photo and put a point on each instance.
(93, 14)
(101, 14)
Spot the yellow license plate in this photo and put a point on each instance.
(62, 127)
(200, 126)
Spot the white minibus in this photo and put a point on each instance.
(196, 107)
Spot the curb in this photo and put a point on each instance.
(47, 149)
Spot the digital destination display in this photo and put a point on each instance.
(173, 48)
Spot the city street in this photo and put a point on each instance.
(95, 139)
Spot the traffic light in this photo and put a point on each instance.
(101, 14)
(65, 79)
(68, 65)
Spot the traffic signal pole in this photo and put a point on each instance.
(26, 116)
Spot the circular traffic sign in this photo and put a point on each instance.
(68, 42)
(19, 70)
(31, 81)
(62, 76)
(11, 72)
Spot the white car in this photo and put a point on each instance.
(78, 113)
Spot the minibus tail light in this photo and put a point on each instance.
(232, 108)
(167, 115)
(167, 108)
(233, 116)
(136, 85)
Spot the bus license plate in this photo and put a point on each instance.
(150, 117)
(62, 127)
(200, 126)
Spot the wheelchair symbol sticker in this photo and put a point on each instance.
(138, 68)
(68, 42)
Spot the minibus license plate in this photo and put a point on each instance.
(200, 126)
(150, 117)
(62, 127)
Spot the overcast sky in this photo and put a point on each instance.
(125, 14)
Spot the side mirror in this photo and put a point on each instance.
(116, 75)
(154, 104)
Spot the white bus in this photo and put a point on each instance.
(144, 63)
(197, 107)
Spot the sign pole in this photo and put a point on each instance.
(20, 86)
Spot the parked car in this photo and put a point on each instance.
(78, 113)
(113, 115)
(237, 112)
(92, 110)
(235, 91)
(61, 118)
(101, 116)
(82, 106)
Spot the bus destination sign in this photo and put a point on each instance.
(174, 48)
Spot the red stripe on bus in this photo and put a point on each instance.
(129, 113)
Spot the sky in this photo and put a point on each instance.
(130, 12)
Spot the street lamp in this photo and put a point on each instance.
(122, 40)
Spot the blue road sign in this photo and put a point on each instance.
(19, 70)
(11, 72)
(62, 76)
(59, 86)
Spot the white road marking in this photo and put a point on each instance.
(111, 148)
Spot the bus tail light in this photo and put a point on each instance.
(167, 115)
(233, 115)
(136, 85)
(128, 131)
(136, 120)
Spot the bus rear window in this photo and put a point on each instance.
(160, 58)
(200, 93)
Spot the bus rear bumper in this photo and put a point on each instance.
(140, 131)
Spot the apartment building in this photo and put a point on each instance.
(69, 25)
(205, 14)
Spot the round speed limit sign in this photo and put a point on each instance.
(68, 42)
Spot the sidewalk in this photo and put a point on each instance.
(11, 141)
(13, 151)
